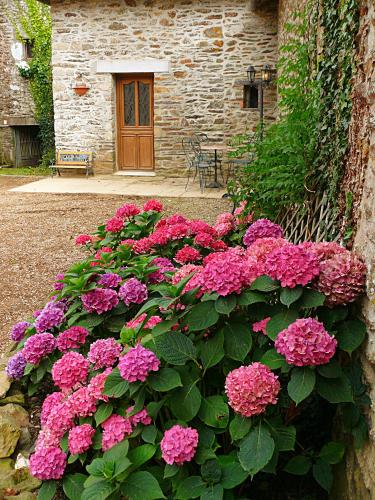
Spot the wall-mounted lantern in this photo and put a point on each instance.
(80, 85)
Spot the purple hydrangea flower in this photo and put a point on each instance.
(58, 279)
(164, 266)
(133, 292)
(38, 346)
(99, 300)
(18, 331)
(52, 315)
(262, 228)
(109, 280)
(16, 366)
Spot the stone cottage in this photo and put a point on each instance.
(155, 71)
(19, 143)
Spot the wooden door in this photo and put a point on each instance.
(135, 122)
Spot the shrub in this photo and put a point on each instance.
(186, 380)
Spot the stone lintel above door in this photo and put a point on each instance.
(134, 66)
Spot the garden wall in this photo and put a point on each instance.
(208, 45)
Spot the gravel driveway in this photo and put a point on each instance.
(37, 240)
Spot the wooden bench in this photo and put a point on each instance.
(74, 160)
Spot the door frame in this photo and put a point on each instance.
(119, 113)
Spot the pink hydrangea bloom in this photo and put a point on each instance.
(58, 284)
(342, 278)
(60, 419)
(177, 231)
(292, 265)
(99, 300)
(72, 338)
(323, 250)
(51, 315)
(142, 417)
(38, 346)
(137, 363)
(51, 400)
(179, 444)
(84, 239)
(187, 254)
(204, 240)
(133, 292)
(198, 226)
(219, 246)
(153, 321)
(46, 439)
(223, 229)
(144, 245)
(115, 429)
(80, 439)
(70, 370)
(260, 326)
(225, 218)
(306, 343)
(164, 265)
(250, 389)
(153, 205)
(96, 385)
(104, 353)
(128, 210)
(48, 463)
(184, 271)
(129, 242)
(261, 248)
(82, 402)
(159, 238)
(175, 219)
(114, 225)
(109, 280)
(262, 228)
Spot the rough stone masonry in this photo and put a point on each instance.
(209, 45)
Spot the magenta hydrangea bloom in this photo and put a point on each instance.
(226, 218)
(109, 280)
(104, 353)
(179, 444)
(142, 417)
(187, 254)
(58, 285)
(48, 463)
(115, 429)
(323, 250)
(80, 438)
(342, 278)
(250, 389)
(153, 321)
(223, 229)
(260, 326)
(48, 404)
(262, 228)
(16, 366)
(52, 315)
(133, 292)
(164, 265)
(60, 419)
(114, 225)
(128, 210)
(100, 300)
(261, 248)
(82, 402)
(38, 346)
(70, 370)
(306, 343)
(137, 363)
(46, 439)
(153, 205)
(184, 271)
(18, 330)
(84, 239)
(292, 265)
(72, 338)
(96, 385)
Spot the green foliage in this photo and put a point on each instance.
(33, 19)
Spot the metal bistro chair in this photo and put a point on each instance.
(203, 139)
(235, 163)
(197, 163)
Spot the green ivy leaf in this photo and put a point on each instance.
(185, 402)
(164, 380)
(264, 284)
(214, 412)
(190, 487)
(335, 390)
(47, 490)
(103, 412)
(115, 386)
(237, 340)
(350, 335)
(301, 384)
(256, 449)
(248, 298)
(322, 473)
(175, 348)
(273, 360)
(299, 466)
(290, 295)
(332, 452)
(73, 485)
(212, 350)
(239, 427)
(225, 305)
(201, 316)
(141, 485)
(280, 321)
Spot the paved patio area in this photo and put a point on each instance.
(127, 186)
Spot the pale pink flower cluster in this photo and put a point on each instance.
(342, 278)
(115, 429)
(262, 228)
(226, 218)
(80, 438)
(250, 389)
(72, 338)
(152, 321)
(306, 343)
(260, 326)
(104, 353)
(137, 363)
(99, 300)
(187, 254)
(260, 250)
(48, 463)
(114, 225)
(179, 444)
(292, 265)
(37, 347)
(184, 271)
(70, 370)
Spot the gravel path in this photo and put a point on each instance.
(37, 240)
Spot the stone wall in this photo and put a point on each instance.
(16, 103)
(209, 44)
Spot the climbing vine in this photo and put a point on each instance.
(33, 20)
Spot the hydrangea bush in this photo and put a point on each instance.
(184, 360)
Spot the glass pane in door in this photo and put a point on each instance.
(129, 104)
(144, 104)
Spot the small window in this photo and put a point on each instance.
(27, 48)
(250, 97)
